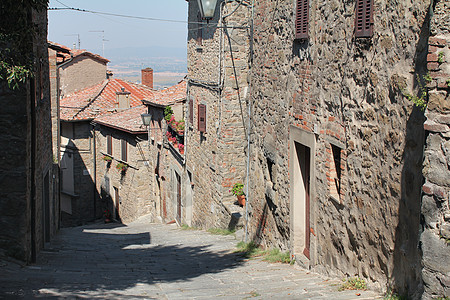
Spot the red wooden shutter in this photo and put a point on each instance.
(364, 18)
(191, 111)
(202, 117)
(302, 19)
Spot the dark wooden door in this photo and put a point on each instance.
(178, 198)
(303, 154)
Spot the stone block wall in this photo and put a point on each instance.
(135, 185)
(341, 98)
(73, 76)
(218, 67)
(435, 237)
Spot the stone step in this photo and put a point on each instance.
(237, 214)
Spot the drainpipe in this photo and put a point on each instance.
(58, 134)
(95, 170)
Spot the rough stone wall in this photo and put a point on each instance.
(46, 215)
(134, 185)
(73, 76)
(218, 78)
(346, 93)
(54, 100)
(25, 115)
(435, 238)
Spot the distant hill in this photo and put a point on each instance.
(146, 52)
(126, 63)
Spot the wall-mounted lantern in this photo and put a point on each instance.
(207, 8)
(146, 119)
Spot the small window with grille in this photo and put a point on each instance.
(302, 20)
(364, 18)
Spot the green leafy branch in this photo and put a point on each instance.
(419, 100)
(14, 75)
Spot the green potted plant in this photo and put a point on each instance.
(107, 158)
(238, 190)
(121, 167)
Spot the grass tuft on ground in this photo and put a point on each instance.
(221, 231)
(251, 249)
(354, 283)
(187, 227)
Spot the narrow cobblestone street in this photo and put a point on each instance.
(154, 261)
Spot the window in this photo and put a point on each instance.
(124, 150)
(364, 18)
(335, 172)
(202, 117)
(109, 144)
(302, 19)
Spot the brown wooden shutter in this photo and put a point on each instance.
(124, 150)
(202, 117)
(191, 111)
(364, 18)
(109, 144)
(302, 19)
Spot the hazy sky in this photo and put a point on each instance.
(63, 25)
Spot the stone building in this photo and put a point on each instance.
(171, 182)
(336, 148)
(29, 211)
(79, 199)
(218, 69)
(336, 144)
(123, 174)
(77, 68)
(435, 237)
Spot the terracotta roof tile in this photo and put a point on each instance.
(127, 120)
(169, 95)
(101, 99)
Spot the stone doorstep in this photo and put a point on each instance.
(237, 213)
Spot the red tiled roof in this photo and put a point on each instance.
(101, 99)
(169, 95)
(64, 53)
(126, 120)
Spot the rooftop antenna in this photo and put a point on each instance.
(103, 40)
(78, 36)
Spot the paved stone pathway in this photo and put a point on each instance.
(154, 261)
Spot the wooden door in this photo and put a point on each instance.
(178, 183)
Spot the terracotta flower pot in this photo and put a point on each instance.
(241, 200)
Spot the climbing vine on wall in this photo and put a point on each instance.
(16, 39)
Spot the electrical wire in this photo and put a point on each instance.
(124, 16)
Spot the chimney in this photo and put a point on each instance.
(147, 77)
(122, 99)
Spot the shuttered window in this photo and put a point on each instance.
(124, 150)
(302, 19)
(191, 111)
(202, 117)
(364, 18)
